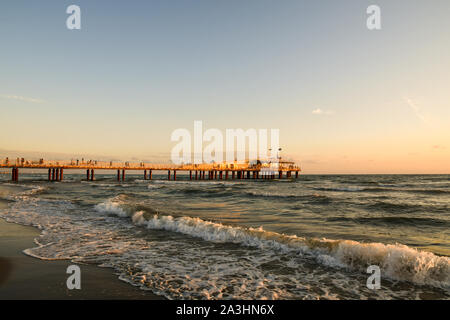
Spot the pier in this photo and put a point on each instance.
(223, 171)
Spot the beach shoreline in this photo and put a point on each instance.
(25, 277)
(194, 240)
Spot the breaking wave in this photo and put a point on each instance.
(112, 206)
(397, 261)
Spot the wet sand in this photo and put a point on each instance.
(25, 277)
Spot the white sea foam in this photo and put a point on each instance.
(34, 190)
(112, 206)
(397, 261)
(20, 190)
(154, 186)
(138, 217)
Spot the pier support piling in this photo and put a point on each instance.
(14, 174)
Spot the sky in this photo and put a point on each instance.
(345, 99)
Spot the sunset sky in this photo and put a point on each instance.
(346, 99)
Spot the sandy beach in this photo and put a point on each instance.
(24, 277)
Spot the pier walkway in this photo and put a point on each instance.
(223, 171)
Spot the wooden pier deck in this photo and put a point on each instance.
(223, 171)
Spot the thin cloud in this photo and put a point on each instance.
(319, 111)
(21, 98)
(415, 108)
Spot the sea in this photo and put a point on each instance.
(315, 237)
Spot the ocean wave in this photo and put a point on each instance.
(385, 188)
(397, 261)
(398, 220)
(268, 194)
(119, 206)
(155, 186)
(34, 190)
(197, 182)
(314, 199)
(397, 207)
(172, 268)
(112, 206)
(428, 191)
(20, 192)
(206, 193)
(356, 189)
(341, 189)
